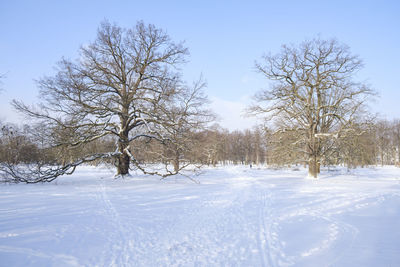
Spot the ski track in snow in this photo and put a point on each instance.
(235, 217)
(121, 245)
(264, 242)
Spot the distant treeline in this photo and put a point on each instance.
(369, 144)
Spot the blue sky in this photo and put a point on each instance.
(224, 38)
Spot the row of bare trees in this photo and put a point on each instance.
(367, 144)
(364, 144)
(387, 140)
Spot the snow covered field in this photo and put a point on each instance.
(236, 216)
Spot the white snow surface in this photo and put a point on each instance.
(236, 216)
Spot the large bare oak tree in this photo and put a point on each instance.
(312, 92)
(122, 85)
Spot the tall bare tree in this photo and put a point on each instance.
(312, 92)
(121, 86)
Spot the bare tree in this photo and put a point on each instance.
(286, 147)
(121, 86)
(312, 92)
(186, 116)
(15, 145)
(356, 148)
(383, 142)
(211, 145)
(396, 140)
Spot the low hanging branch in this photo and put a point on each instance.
(40, 173)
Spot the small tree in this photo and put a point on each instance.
(185, 117)
(122, 86)
(312, 93)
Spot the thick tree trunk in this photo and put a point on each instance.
(123, 164)
(176, 161)
(313, 168)
(124, 159)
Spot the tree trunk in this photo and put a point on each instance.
(398, 156)
(257, 157)
(176, 161)
(124, 159)
(313, 167)
(123, 164)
